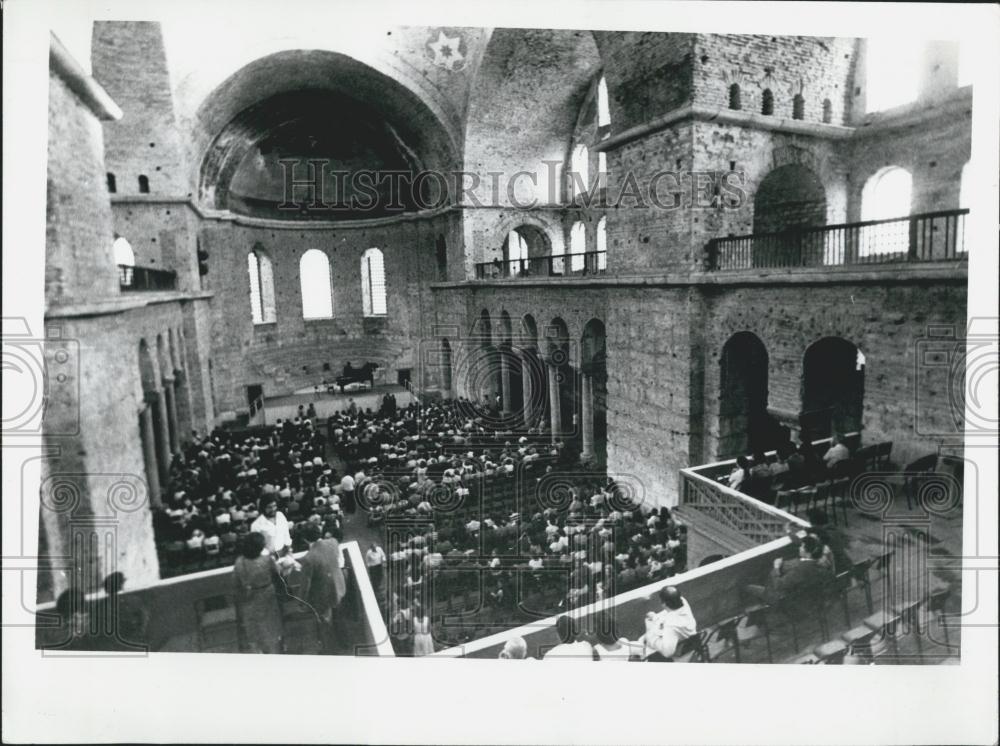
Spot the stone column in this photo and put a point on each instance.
(554, 402)
(161, 432)
(587, 415)
(149, 456)
(182, 397)
(526, 390)
(168, 395)
(505, 380)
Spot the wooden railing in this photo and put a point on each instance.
(753, 519)
(931, 236)
(559, 265)
(145, 278)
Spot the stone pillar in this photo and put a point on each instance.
(587, 415)
(161, 433)
(168, 395)
(508, 405)
(182, 397)
(526, 390)
(149, 456)
(554, 402)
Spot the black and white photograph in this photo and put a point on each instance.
(342, 343)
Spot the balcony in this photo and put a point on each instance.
(145, 278)
(927, 237)
(558, 265)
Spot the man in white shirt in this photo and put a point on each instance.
(570, 648)
(838, 452)
(274, 526)
(347, 493)
(667, 628)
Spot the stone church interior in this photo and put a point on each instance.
(645, 350)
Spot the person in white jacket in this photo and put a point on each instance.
(667, 628)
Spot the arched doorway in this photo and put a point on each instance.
(790, 197)
(594, 391)
(833, 388)
(522, 249)
(743, 393)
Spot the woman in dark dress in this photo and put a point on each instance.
(255, 575)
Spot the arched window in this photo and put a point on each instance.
(517, 248)
(143, 184)
(798, 107)
(827, 111)
(580, 170)
(767, 102)
(602, 244)
(314, 278)
(112, 183)
(892, 67)
(261, 273)
(735, 102)
(577, 246)
(886, 195)
(373, 283)
(124, 256)
(603, 109)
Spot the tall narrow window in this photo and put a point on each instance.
(602, 170)
(580, 170)
(892, 70)
(261, 274)
(603, 109)
(373, 283)
(517, 247)
(143, 184)
(112, 183)
(827, 111)
(767, 102)
(124, 256)
(886, 195)
(735, 100)
(577, 246)
(798, 107)
(602, 244)
(314, 278)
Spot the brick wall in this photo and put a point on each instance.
(128, 59)
(818, 68)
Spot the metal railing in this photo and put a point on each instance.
(146, 278)
(558, 265)
(751, 518)
(930, 236)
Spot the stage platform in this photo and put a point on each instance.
(284, 407)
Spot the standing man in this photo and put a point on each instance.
(274, 526)
(347, 491)
(375, 562)
(323, 585)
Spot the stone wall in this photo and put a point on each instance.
(78, 230)
(275, 354)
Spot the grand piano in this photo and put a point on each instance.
(357, 375)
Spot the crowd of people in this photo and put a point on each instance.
(429, 467)
(790, 467)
